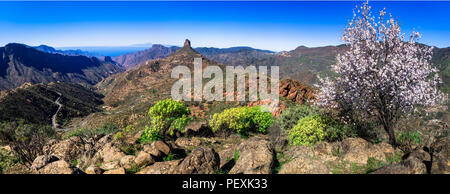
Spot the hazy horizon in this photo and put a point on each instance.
(275, 26)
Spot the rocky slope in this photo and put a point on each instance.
(131, 93)
(132, 60)
(20, 63)
(119, 86)
(234, 155)
(230, 56)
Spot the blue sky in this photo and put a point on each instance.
(266, 25)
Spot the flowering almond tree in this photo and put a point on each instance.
(381, 74)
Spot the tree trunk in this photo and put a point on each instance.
(390, 131)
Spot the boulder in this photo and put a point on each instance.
(415, 165)
(380, 151)
(299, 151)
(109, 153)
(198, 129)
(67, 150)
(94, 170)
(43, 160)
(161, 168)
(419, 154)
(324, 151)
(162, 147)
(116, 171)
(101, 140)
(57, 167)
(416, 161)
(256, 156)
(441, 146)
(127, 161)
(110, 165)
(355, 150)
(440, 164)
(226, 156)
(143, 159)
(158, 149)
(304, 165)
(202, 160)
(358, 150)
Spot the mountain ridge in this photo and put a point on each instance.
(20, 63)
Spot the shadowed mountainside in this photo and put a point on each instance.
(20, 64)
(36, 103)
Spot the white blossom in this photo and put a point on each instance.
(381, 73)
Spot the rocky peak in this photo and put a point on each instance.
(187, 43)
(108, 59)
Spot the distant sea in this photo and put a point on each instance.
(107, 51)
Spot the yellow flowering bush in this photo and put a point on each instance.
(167, 117)
(308, 131)
(242, 120)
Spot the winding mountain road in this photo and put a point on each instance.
(54, 124)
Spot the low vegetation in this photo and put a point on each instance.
(26, 140)
(7, 160)
(167, 118)
(104, 129)
(241, 120)
(307, 125)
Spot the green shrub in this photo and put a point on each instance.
(26, 140)
(308, 131)
(289, 118)
(167, 117)
(407, 140)
(242, 120)
(120, 136)
(7, 160)
(315, 127)
(336, 130)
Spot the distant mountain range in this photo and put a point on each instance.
(224, 55)
(112, 51)
(131, 60)
(20, 63)
(146, 80)
(70, 52)
(302, 63)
